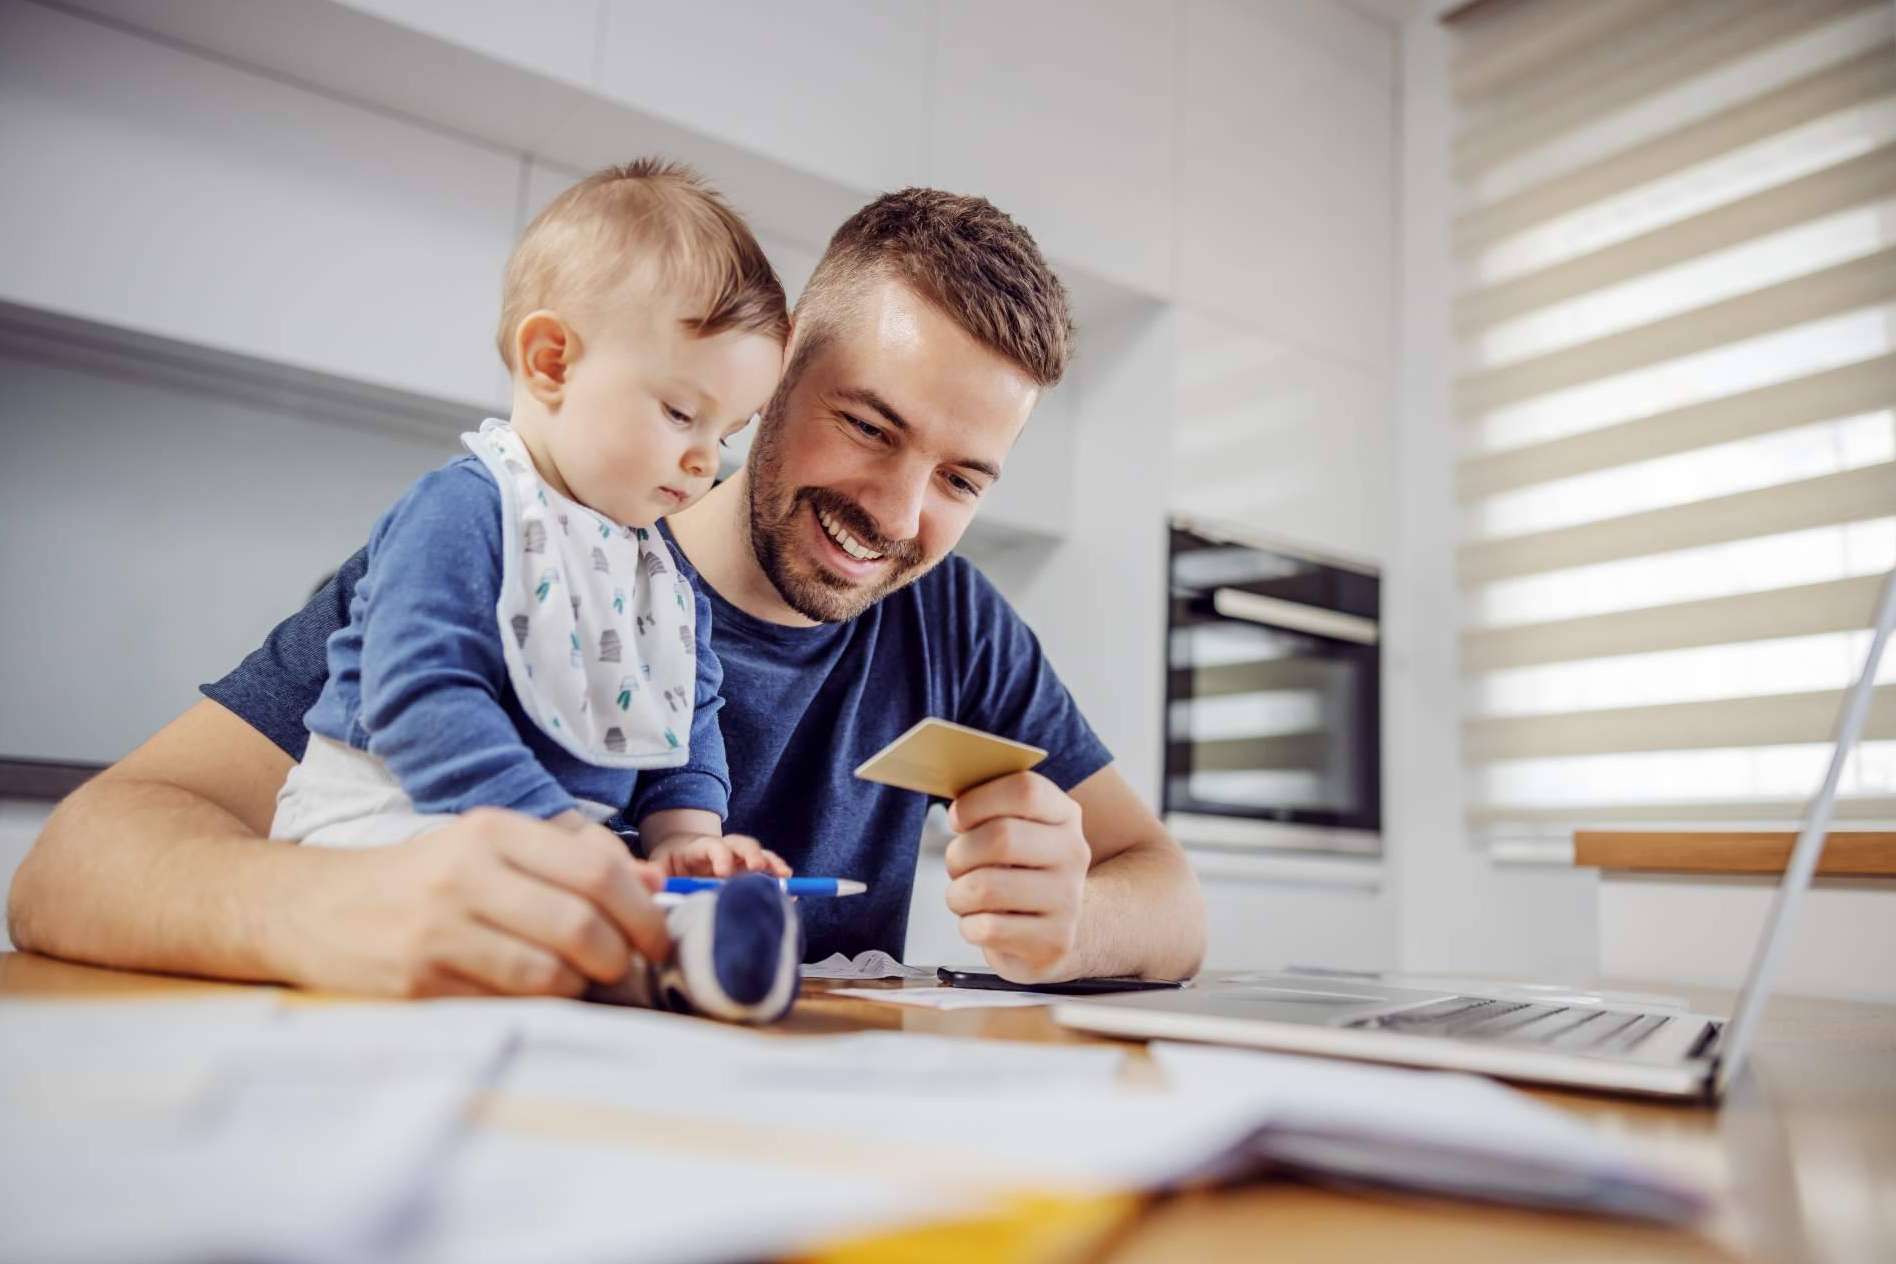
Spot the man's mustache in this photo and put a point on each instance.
(856, 520)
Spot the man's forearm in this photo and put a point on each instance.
(145, 875)
(1143, 914)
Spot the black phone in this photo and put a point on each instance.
(1072, 987)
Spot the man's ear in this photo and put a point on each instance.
(544, 351)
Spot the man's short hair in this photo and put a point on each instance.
(650, 214)
(963, 255)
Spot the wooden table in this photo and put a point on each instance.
(1804, 1151)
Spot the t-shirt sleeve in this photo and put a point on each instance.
(704, 780)
(433, 667)
(1007, 686)
(278, 682)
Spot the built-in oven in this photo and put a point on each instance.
(1273, 697)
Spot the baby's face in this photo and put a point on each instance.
(647, 404)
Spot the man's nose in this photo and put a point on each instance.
(895, 501)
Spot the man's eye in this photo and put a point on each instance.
(868, 431)
(962, 486)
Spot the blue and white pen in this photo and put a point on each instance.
(791, 886)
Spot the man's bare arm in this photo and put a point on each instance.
(156, 863)
(160, 863)
(1143, 912)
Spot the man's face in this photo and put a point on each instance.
(870, 465)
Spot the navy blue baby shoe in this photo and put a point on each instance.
(737, 955)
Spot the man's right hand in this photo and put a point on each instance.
(492, 903)
(160, 863)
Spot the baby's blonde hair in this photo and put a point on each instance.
(651, 213)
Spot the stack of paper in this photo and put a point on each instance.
(1437, 1132)
(873, 964)
(951, 997)
(553, 1131)
(223, 1130)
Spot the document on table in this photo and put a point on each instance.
(502, 1130)
(950, 997)
(224, 1133)
(873, 964)
(1434, 1131)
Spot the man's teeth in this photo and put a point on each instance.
(845, 541)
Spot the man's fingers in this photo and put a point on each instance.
(1006, 932)
(1026, 795)
(992, 889)
(501, 963)
(444, 982)
(649, 875)
(592, 863)
(551, 918)
(1007, 841)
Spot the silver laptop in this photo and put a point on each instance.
(1520, 1032)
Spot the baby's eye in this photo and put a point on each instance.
(677, 415)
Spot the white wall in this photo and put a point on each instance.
(166, 532)
(1457, 909)
(1705, 931)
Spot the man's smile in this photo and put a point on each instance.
(849, 543)
(843, 553)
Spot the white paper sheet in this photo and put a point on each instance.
(343, 1132)
(1438, 1131)
(305, 1135)
(950, 998)
(793, 1142)
(873, 964)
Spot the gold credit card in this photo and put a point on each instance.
(945, 759)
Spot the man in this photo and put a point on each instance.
(919, 349)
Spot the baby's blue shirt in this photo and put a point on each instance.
(418, 678)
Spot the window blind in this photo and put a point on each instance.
(1675, 243)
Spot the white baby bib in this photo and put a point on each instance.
(598, 626)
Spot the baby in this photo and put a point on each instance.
(522, 637)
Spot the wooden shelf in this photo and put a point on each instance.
(1860, 853)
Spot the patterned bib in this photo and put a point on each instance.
(599, 627)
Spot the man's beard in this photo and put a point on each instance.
(806, 585)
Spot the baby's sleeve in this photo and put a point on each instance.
(433, 668)
(703, 781)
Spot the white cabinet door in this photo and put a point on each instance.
(558, 38)
(1060, 112)
(1269, 925)
(154, 189)
(1287, 173)
(836, 88)
(1287, 442)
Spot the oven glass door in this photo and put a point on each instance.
(1269, 723)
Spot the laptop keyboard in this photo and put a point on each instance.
(1553, 1026)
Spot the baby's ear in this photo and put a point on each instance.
(544, 350)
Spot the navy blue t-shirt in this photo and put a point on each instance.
(802, 708)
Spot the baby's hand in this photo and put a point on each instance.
(711, 856)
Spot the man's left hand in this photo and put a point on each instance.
(1018, 866)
